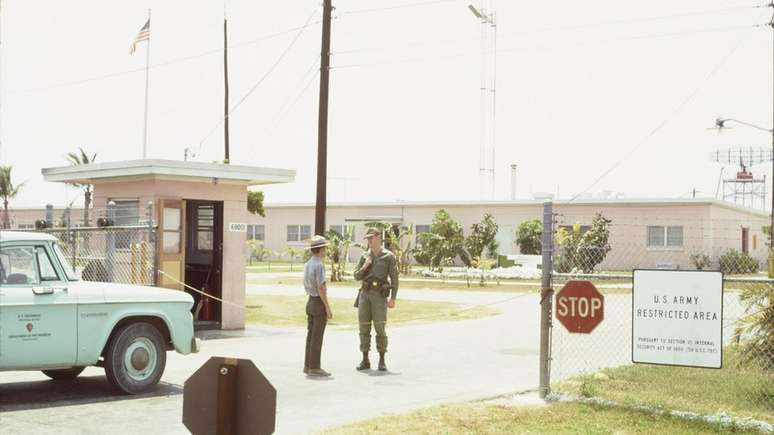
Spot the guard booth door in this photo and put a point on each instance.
(171, 253)
(204, 259)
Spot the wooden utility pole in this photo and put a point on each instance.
(225, 79)
(322, 123)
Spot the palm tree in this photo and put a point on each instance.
(7, 191)
(76, 159)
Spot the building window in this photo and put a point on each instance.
(256, 232)
(205, 227)
(127, 213)
(419, 229)
(665, 236)
(342, 230)
(299, 233)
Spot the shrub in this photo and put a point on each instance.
(529, 237)
(734, 261)
(583, 251)
(483, 236)
(755, 330)
(443, 243)
(701, 261)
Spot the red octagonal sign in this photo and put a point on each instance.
(580, 307)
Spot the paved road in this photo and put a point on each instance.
(431, 364)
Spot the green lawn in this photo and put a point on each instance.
(289, 311)
(557, 418)
(735, 389)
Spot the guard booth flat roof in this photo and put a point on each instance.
(168, 170)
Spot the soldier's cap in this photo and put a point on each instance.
(372, 232)
(317, 242)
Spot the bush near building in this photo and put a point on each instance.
(529, 237)
(735, 262)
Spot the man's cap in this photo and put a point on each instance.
(317, 242)
(372, 232)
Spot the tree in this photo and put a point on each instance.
(443, 243)
(7, 191)
(398, 239)
(483, 236)
(255, 203)
(755, 330)
(338, 246)
(529, 237)
(78, 159)
(583, 251)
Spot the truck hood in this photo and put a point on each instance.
(131, 293)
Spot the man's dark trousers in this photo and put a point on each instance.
(316, 320)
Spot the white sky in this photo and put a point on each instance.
(580, 86)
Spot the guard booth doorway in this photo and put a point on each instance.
(192, 253)
(204, 259)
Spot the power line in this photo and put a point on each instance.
(687, 100)
(260, 80)
(563, 46)
(576, 27)
(164, 63)
(291, 102)
(390, 8)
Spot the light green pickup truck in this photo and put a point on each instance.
(54, 322)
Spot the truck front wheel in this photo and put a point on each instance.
(135, 358)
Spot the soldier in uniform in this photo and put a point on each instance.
(378, 271)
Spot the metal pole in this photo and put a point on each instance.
(225, 80)
(322, 123)
(546, 297)
(110, 242)
(147, 68)
(152, 243)
(771, 228)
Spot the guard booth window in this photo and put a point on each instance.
(127, 212)
(205, 224)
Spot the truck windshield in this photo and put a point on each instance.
(68, 268)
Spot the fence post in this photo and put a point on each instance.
(546, 297)
(152, 242)
(110, 242)
(70, 235)
(49, 215)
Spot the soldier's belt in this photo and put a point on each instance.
(372, 284)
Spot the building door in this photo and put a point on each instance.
(172, 246)
(745, 240)
(203, 257)
(505, 239)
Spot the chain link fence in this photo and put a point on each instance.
(114, 244)
(599, 364)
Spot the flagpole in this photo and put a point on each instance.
(147, 68)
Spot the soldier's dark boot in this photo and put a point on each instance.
(365, 364)
(382, 364)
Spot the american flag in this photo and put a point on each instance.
(143, 35)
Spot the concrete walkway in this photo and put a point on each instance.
(430, 364)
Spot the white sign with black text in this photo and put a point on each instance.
(677, 318)
(237, 227)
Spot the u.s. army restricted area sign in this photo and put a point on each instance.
(677, 318)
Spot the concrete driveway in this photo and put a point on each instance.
(430, 364)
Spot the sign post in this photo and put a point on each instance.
(580, 307)
(677, 318)
(229, 396)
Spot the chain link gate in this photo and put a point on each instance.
(599, 365)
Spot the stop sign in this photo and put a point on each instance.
(580, 307)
